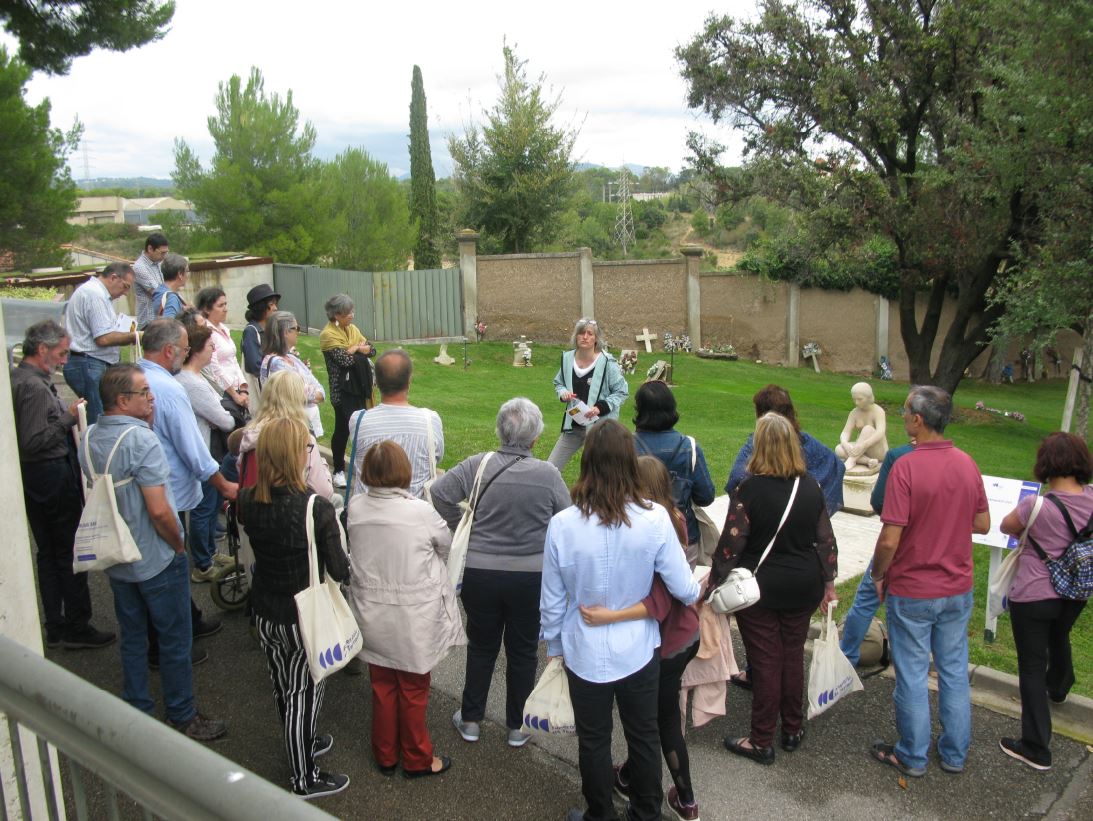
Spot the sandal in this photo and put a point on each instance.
(886, 754)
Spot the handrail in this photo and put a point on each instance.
(168, 773)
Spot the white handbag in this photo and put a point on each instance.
(830, 675)
(740, 589)
(461, 539)
(549, 710)
(997, 596)
(102, 537)
(328, 629)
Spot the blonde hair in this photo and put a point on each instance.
(283, 397)
(282, 457)
(777, 448)
(655, 483)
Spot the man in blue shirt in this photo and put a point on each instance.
(154, 589)
(188, 457)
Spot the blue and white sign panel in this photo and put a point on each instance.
(1002, 497)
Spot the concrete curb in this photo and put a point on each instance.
(1001, 693)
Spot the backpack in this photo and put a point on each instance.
(681, 484)
(1072, 573)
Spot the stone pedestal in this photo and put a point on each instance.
(856, 493)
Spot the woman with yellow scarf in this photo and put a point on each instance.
(340, 341)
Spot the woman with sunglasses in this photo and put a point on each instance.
(279, 354)
(589, 375)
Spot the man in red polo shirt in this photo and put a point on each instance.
(922, 566)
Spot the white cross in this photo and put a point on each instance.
(647, 338)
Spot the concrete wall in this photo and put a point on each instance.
(632, 295)
(747, 312)
(842, 323)
(537, 295)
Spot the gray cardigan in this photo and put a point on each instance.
(511, 521)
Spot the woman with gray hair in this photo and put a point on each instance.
(349, 372)
(279, 354)
(589, 377)
(517, 497)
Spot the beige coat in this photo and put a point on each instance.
(401, 595)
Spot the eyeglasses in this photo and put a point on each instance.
(587, 321)
(296, 328)
(145, 392)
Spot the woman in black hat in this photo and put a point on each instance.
(261, 300)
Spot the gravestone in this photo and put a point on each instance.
(660, 370)
(521, 352)
(442, 358)
(646, 337)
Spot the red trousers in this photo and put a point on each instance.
(399, 701)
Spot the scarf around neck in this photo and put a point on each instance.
(334, 336)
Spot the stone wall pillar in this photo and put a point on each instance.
(793, 325)
(588, 284)
(692, 258)
(468, 269)
(880, 347)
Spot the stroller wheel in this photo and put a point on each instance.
(230, 591)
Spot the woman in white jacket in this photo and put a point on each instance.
(405, 606)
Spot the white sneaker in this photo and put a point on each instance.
(339, 479)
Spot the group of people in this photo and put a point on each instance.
(603, 573)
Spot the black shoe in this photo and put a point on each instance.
(445, 765)
(53, 639)
(792, 742)
(207, 627)
(387, 770)
(1015, 748)
(88, 639)
(321, 745)
(196, 657)
(325, 784)
(760, 755)
(1056, 698)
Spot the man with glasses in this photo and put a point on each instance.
(148, 275)
(165, 347)
(150, 592)
(91, 321)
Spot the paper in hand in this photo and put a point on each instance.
(580, 413)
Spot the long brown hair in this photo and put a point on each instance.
(609, 474)
(282, 455)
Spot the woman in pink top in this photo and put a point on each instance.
(1041, 618)
(224, 367)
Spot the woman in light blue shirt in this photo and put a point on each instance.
(604, 551)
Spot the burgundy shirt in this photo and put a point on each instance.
(933, 493)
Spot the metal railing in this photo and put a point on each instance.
(167, 774)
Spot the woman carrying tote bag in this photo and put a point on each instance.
(272, 513)
(796, 577)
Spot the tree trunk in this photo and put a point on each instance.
(1081, 415)
(993, 372)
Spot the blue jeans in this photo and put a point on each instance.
(860, 616)
(82, 373)
(917, 627)
(203, 526)
(164, 600)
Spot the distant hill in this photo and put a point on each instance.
(125, 182)
(636, 170)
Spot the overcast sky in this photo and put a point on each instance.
(349, 67)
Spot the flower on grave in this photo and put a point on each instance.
(628, 362)
(669, 342)
(527, 357)
(1015, 415)
(811, 349)
(652, 371)
(683, 343)
(479, 329)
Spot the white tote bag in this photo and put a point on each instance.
(330, 633)
(548, 710)
(997, 596)
(461, 539)
(102, 538)
(427, 489)
(831, 675)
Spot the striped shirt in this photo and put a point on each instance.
(406, 426)
(147, 276)
(90, 314)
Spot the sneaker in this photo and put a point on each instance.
(325, 784)
(223, 559)
(207, 627)
(321, 745)
(684, 812)
(518, 738)
(1016, 749)
(621, 787)
(201, 728)
(196, 657)
(209, 574)
(339, 479)
(468, 729)
(88, 639)
(53, 639)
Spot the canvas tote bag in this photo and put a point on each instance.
(330, 633)
(461, 539)
(831, 675)
(102, 538)
(549, 710)
(997, 601)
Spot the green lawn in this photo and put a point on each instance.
(715, 407)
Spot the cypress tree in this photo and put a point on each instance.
(422, 181)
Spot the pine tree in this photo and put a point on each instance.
(422, 181)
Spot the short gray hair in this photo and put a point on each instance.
(47, 332)
(159, 333)
(582, 324)
(519, 423)
(934, 405)
(273, 341)
(173, 265)
(338, 304)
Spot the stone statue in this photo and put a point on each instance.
(863, 456)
